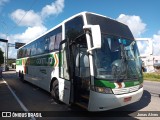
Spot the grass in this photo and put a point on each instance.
(151, 77)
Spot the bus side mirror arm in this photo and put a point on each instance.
(91, 49)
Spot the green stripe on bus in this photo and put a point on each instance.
(19, 62)
(104, 83)
(46, 60)
(60, 59)
(133, 83)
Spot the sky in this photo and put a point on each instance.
(24, 20)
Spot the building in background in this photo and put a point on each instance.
(150, 61)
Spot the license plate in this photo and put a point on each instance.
(127, 99)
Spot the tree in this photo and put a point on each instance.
(1, 56)
(10, 61)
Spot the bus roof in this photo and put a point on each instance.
(70, 18)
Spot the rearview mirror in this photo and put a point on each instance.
(96, 35)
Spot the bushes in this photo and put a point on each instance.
(151, 76)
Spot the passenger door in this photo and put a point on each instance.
(64, 81)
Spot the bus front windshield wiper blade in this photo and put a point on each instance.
(119, 70)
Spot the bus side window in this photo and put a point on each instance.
(51, 44)
(46, 47)
(40, 46)
(57, 41)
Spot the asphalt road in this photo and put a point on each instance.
(20, 97)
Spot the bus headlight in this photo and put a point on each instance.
(102, 90)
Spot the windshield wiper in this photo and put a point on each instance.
(131, 49)
(119, 70)
(123, 54)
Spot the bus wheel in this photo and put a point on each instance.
(22, 77)
(19, 74)
(55, 91)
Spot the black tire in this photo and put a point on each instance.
(19, 75)
(22, 77)
(55, 91)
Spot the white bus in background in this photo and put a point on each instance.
(13, 65)
(89, 60)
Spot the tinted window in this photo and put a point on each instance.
(110, 26)
(57, 41)
(45, 44)
(54, 39)
(74, 27)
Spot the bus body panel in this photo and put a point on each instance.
(38, 69)
(101, 102)
(18, 69)
(64, 90)
(40, 79)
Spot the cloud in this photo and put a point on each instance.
(156, 44)
(34, 23)
(26, 18)
(3, 44)
(135, 24)
(34, 20)
(2, 2)
(30, 34)
(54, 9)
(143, 46)
(31, 18)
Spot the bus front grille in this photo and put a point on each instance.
(119, 91)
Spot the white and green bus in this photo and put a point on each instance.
(89, 60)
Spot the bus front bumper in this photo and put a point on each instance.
(102, 102)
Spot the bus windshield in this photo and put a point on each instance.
(117, 59)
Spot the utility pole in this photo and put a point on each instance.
(6, 52)
(4, 25)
